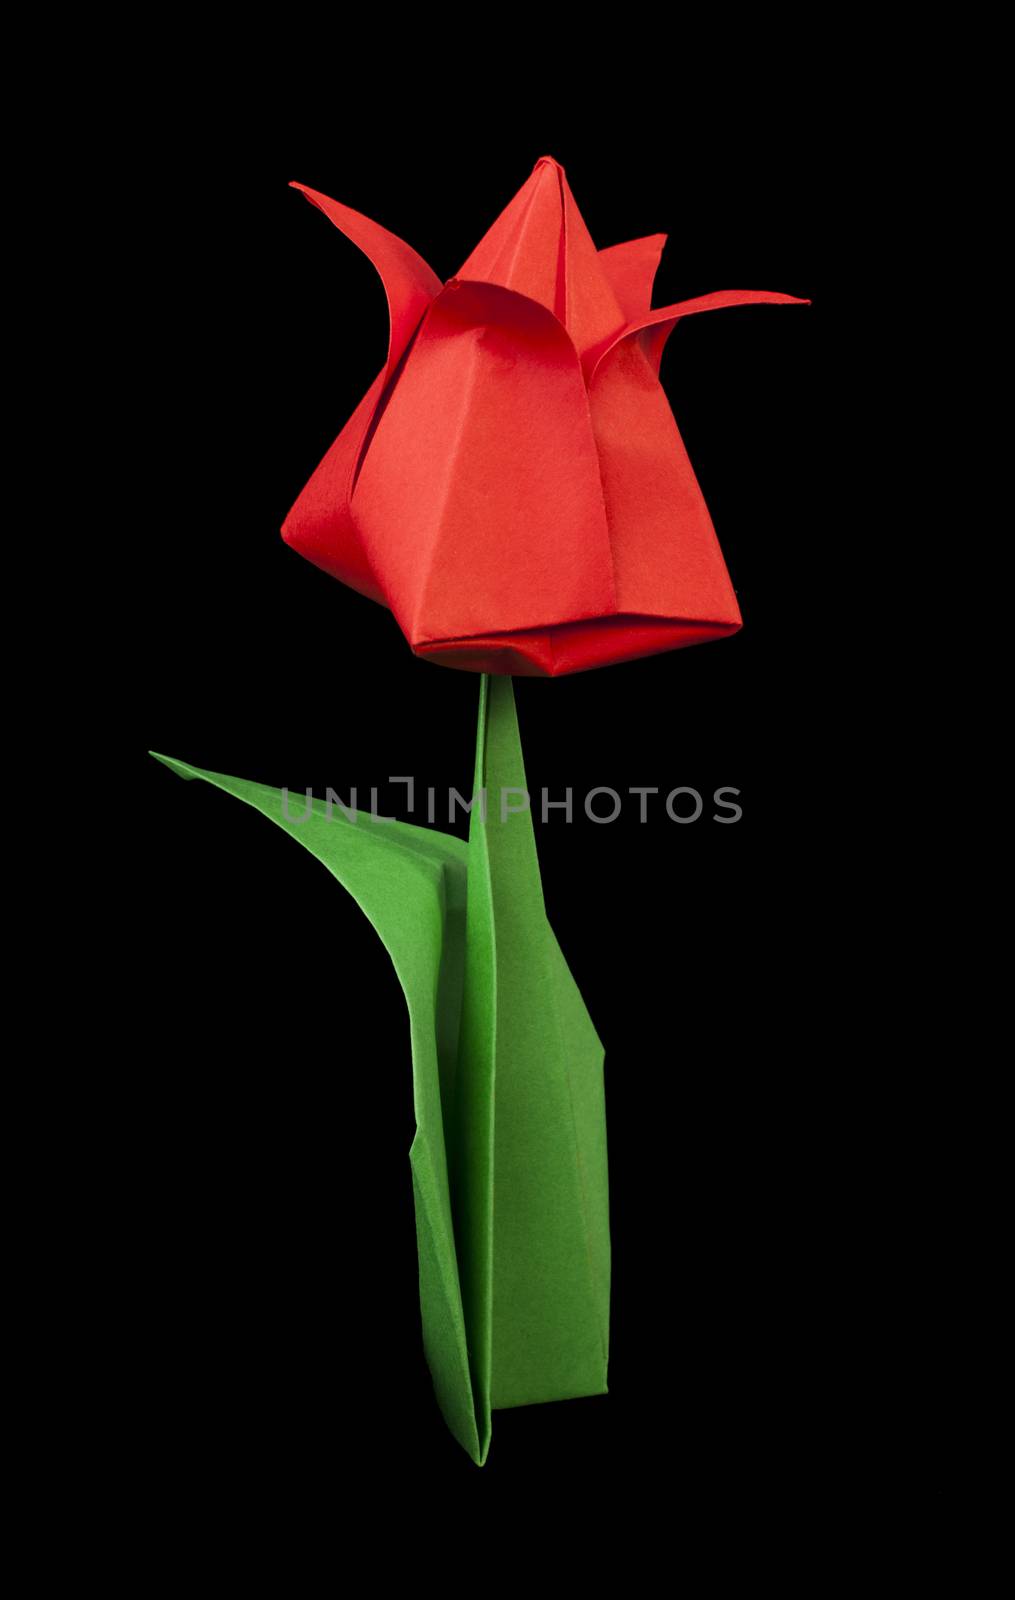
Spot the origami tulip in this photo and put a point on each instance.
(513, 485)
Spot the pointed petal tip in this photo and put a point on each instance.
(548, 161)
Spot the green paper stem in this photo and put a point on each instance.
(509, 1160)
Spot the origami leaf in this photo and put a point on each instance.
(514, 486)
(509, 1158)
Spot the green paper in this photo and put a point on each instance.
(508, 1163)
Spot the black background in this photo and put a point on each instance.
(275, 1335)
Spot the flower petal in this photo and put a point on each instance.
(631, 268)
(540, 247)
(319, 525)
(479, 503)
(522, 249)
(409, 284)
(656, 326)
(666, 556)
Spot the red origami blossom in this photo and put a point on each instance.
(513, 485)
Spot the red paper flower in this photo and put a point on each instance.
(513, 485)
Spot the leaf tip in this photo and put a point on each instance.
(179, 767)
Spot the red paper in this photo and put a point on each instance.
(513, 485)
